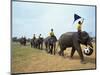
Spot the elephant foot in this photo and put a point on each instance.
(48, 51)
(59, 53)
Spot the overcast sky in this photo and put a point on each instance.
(38, 18)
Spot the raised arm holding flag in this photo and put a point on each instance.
(79, 24)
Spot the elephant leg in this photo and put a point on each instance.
(54, 48)
(78, 48)
(38, 46)
(31, 44)
(80, 54)
(46, 48)
(35, 45)
(41, 46)
(51, 49)
(61, 52)
(72, 52)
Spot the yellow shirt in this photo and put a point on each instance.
(79, 27)
(51, 33)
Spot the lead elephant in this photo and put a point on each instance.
(71, 39)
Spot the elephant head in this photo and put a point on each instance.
(86, 40)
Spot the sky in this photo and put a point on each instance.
(30, 18)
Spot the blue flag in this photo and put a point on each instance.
(76, 17)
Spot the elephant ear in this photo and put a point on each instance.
(85, 35)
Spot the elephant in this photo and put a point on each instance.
(46, 43)
(71, 39)
(22, 41)
(32, 43)
(40, 43)
(37, 43)
(50, 44)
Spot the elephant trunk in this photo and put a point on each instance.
(90, 44)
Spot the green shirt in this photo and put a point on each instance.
(79, 27)
(51, 33)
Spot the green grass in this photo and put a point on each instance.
(27, 59)
(22, 56)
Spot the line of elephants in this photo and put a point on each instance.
(68, 39)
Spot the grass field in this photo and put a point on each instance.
(26, 59)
